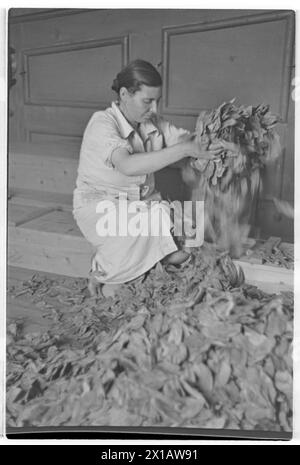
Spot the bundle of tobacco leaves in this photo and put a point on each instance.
(230, 182)
(191, 347)
(248, 138)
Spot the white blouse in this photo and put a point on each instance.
(106, 131)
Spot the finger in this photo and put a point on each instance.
(216, 145)
(205, 156)
(230, 146)
(197, 155)
(215, 152)
(231, 154)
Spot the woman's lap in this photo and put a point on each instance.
(125, 257)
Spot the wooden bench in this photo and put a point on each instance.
(273, 279)
(268, 276)
(42, 233)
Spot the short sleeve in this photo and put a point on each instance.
(172, 134)
(102, 138)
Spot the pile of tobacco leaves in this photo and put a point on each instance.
(281, 255)
(230, 182)
(185, 347)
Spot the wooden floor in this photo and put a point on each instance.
(22, 307)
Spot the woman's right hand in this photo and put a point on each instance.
(193, 149)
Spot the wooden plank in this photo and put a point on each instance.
(29, 236)
(271, 288)
(60, 222)
(43, 150)
(63, 261)
(267, 276)
(40, 172)
(16, 274)
(39, 198)
(51, 243)
(20, 214)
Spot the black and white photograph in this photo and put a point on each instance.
(150, 222)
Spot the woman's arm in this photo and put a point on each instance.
(174, 135)
(143, 163)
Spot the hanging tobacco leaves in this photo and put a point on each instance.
(248, 138)
(190, 347)
(230, 182)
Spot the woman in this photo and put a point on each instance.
(123, 146)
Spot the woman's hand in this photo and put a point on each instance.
(193, 149)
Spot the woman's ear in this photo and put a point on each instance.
(123, 93)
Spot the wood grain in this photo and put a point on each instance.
(43, 167)
(269, 278)
(20, 214)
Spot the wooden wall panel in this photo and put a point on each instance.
(246, 58)
(42, 137)
(58, 75)
(52, 120)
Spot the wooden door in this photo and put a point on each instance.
(67, 59)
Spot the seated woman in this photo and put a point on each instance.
(123, 146)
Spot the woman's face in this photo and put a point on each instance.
(139, 107)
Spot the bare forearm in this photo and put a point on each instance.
(150, 162)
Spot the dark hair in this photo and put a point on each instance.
(135, 74)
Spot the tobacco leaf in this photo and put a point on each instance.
(204, 377)
(223, 375)
(258, 345)
(217, 422)
(191, 408)
(221, 331)
(283, 382)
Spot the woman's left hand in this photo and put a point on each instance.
(213, 150)
(198, 150)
